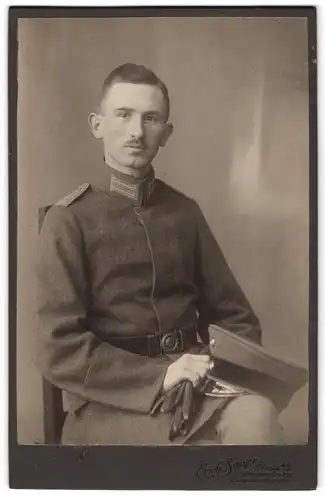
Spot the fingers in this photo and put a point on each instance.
(196, 362)
(199, 371)
(193, 367)
(198, 358)
(196, 367)
(193, 361)
(194, 376)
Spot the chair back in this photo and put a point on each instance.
(53, 413)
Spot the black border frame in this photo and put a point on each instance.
(151, 468)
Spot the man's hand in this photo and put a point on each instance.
(192, 367)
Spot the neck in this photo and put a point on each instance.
(136, 173)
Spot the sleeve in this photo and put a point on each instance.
(221, 300)
(70, 355)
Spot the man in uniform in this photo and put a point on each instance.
(130, 279)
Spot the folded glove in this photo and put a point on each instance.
(179, 399)
(169, 397)
(173, 399)
(184, 412)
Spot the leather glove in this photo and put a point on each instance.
(184, 411)
(173, 399)
(179, 399)
(168, 399)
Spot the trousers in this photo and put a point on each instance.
(246, 420)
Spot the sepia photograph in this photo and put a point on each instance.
(164, 239)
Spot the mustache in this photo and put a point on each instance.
(135, 143)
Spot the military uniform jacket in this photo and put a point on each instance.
(128, 258)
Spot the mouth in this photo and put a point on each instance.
(135, 149)
(134, 146)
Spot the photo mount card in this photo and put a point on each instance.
(243, 145)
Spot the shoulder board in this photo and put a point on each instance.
(70, 198)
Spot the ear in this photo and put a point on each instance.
(166, 133)
(95, 123)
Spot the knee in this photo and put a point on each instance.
(252, 407)
(250, 419)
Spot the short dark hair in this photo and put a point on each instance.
(134, 73)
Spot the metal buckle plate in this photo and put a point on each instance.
(172, 342)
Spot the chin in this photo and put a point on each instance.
(137, 163)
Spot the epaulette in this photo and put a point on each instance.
(70, 198)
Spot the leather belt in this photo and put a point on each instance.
(157, 344)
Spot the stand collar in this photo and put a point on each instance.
(138, 190)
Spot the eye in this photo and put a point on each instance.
(151, 119)
(122, 114)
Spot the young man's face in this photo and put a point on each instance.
(132, 123)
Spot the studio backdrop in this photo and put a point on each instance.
(239, 105)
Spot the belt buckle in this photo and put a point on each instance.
(172, 342)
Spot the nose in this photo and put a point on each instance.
(136, 127)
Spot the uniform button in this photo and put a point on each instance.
(212, 342)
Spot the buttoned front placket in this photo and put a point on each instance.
(138, 192)
(138, 210)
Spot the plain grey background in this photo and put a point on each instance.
(239, 104)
